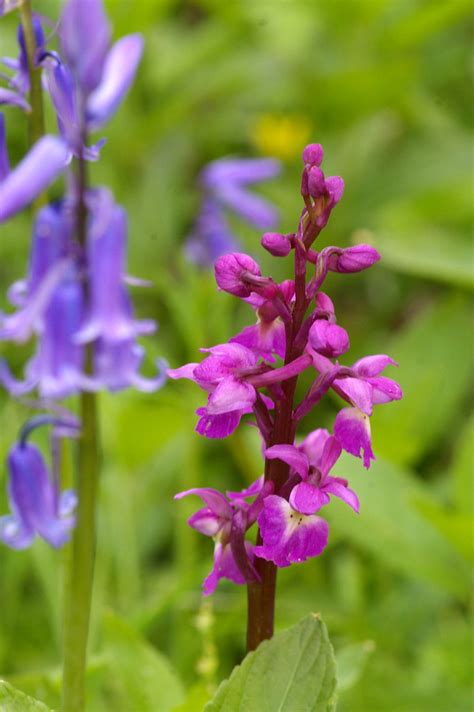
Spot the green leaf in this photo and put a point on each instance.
(138, 677)
(391, 528)
(295, 670)
(428, 251)
(435, 370)
(12, 700)
(351, 662)
(195, 700)
(463, 471)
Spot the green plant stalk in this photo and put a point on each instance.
(81, 558)
(36, 116)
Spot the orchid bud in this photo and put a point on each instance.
(353, 259)
(313, 154)
(276, 244)
(229, 270)
(328, 339)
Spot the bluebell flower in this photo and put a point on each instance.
(37, 506)
(224, 183)
(41, 165)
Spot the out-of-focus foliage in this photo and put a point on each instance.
(384, 85)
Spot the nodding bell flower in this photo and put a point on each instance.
(224, 183)
(87, 88)
(20, 81)
(38, 508)
(41, 165)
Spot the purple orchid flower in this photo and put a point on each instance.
(267, 337)
(224, 184)
(289, 536)
(226, 520)
(230, 397)
(312, 461)
(325, 192)
(364, 390)
(37, 507)
(239, 274)
(42, 164)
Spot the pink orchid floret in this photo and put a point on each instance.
(312, 461)
(291, 532)
(289, 536)
(362, 391)
(267, 337)
(226, 519)
(230, 397)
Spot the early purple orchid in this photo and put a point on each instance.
(267, 338)
(364, 389)
(230, 397)
(296, 322)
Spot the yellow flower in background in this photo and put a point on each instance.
(280, 136)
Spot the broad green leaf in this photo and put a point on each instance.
(295, 670)
(351, 662)
(463, 471)
(195, 700)
(435, 362)
(428, 251)
(391, 529)
(12, 700)
(457, 528)
(138, 677)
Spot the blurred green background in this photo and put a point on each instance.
(386, 87)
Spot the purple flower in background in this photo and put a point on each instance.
(47, 266)
(8, 6)
(224, 183)
(211, 237)
(38, 509)
(20, 81)
(41, 165)
(110, 316)
(88, 87)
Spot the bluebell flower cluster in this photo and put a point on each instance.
(74, 299)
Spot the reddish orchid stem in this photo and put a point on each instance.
(261, 595)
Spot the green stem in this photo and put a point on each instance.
(36, 92)
(80, 565)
